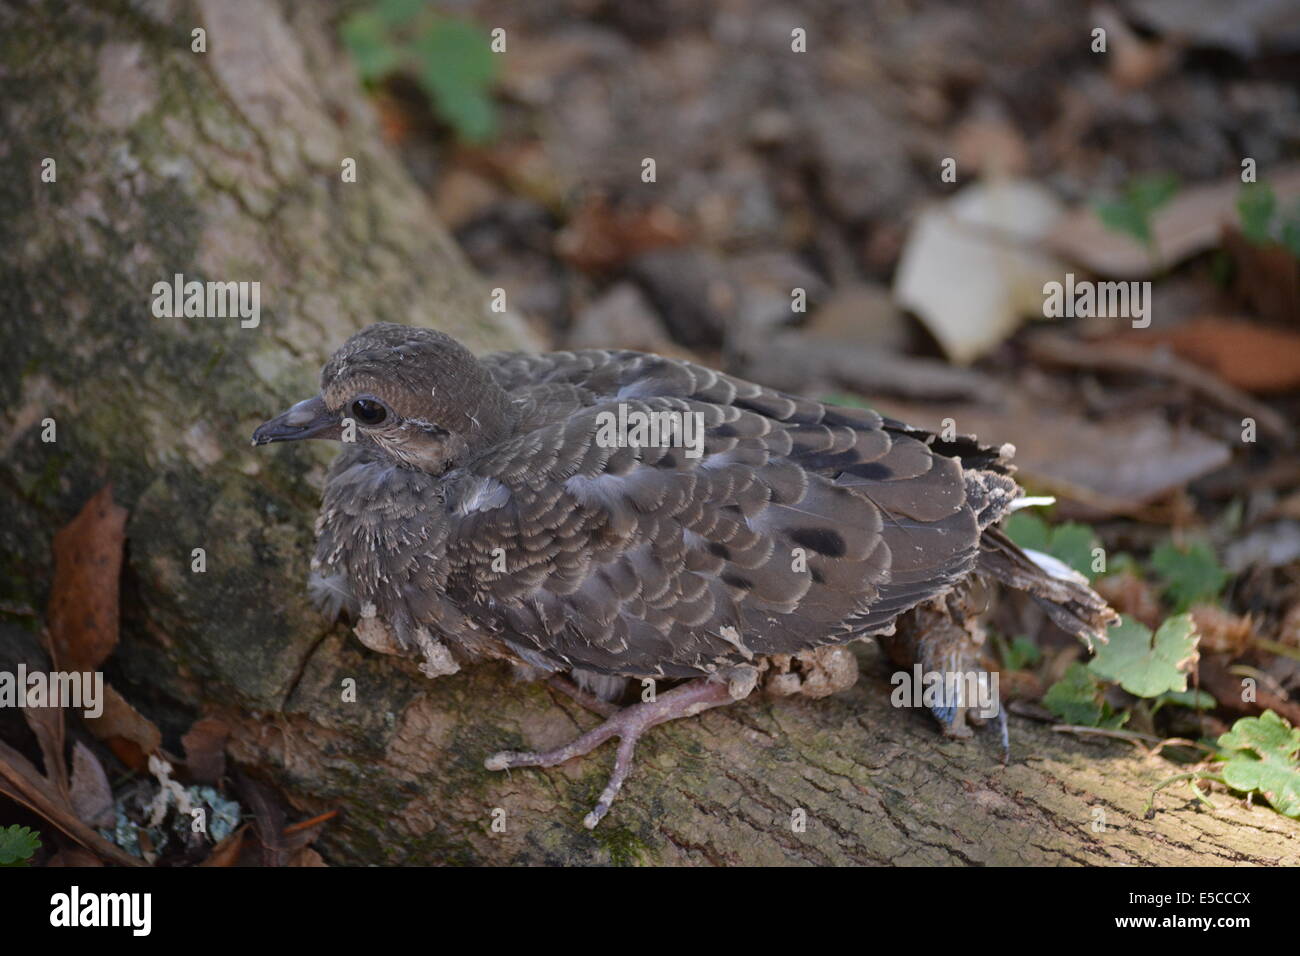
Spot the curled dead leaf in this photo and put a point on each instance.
(205, 749)
(83, 611)
(91, 796)
(973, 268)
(1222, 631)
(227, 852)
(1246, 355)
(129, 734)
(21, 782)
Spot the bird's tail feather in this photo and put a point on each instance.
(1060, 591)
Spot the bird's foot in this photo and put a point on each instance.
(627, 725)
(959, 721)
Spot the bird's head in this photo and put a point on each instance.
(417, 396)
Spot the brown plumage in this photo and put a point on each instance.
(477, 515)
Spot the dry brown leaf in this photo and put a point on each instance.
(74, 856)
(227, 852)
(1267, 276)
(1222, 631)
(1130, 360)
(20, 781)
(599, 237)
(268, 818)
(1129, 594)
(1288, 632)
(205, 749)
(1020, 685)
(1116, 465)
(1226, 689)
(91, 796)
(1246, 355)
(47, 724)
(1134, 62)
(129, 734)
(973, 267)
(306, 857)
(1188, 224)
(83, 598)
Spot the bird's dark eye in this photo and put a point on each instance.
(368, 411)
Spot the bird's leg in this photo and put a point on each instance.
(627, 725)
(590, 701)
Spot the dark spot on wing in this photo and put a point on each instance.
(822, 540)
(738, 581)
(828, 461)
(871, 470)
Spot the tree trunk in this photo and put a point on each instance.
(225, 166)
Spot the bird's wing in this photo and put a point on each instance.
(801, 523)
(594, 369)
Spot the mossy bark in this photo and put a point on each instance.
(225, 165)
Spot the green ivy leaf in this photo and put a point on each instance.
(1131, 213)
(1120, 216)
(398, 13)
(1190, 574)
(1020, 654)
(1194, 699)
(1071, 543)
(1028, 531)
(366, 36)
(1077, 699)
(1256, 205)
(456, 68)
(1291, 235)
(1152, 192)
(1147, 666)
(1261, 757)
(17, 844)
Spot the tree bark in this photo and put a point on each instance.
(224, 166)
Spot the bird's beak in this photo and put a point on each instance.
(307, 419)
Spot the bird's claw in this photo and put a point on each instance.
(627, 725)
